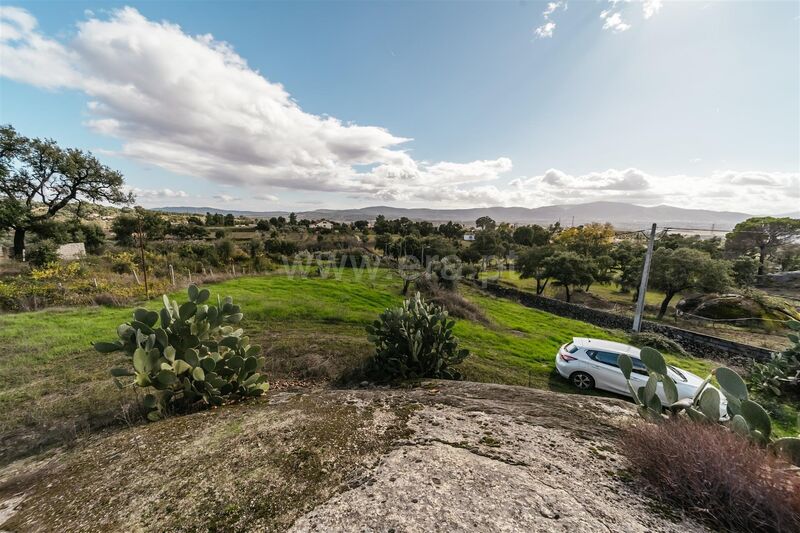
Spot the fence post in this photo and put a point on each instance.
(190, 276)
(172, 275)
(136, 276)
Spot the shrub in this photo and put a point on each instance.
(280, 247)
(455, 304)
(657, 341)
(447, 271)
(747, 418)
(714, 475)
(415, 341)
(43, 253)
(195, 358)
(123, 262)
(355, 258)
(782, 370)
(745, 271)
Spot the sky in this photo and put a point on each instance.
(308, 105)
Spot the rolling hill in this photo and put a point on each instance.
(620, 215)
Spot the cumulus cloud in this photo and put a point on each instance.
(613, 19)
(651, 7)
(548, 27)
(545, 30)
(614, 22)
(192, 105)
(746, 191)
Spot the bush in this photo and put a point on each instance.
(745, 271)
(448, 272)
(355, 258)
(746, 418)
(195, 358)
(714, 475)
(415, 341)
(280, 247)
(43, 253)
(657, 341)
(782, 371)
(451, 300)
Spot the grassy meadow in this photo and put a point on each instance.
(54, 386)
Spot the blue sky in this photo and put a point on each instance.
(337, 104)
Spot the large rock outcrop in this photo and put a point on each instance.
(443, 456)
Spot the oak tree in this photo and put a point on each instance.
(38, 179)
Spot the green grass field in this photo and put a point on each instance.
(54, 385)
(607, 291)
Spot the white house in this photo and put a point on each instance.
(469, 236)
(321, 224)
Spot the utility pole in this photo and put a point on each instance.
(141, 251)
(637, 318)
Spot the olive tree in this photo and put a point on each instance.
(674, 271)
(568, 269)
(531, 264)
(38, 179)
(762, 236)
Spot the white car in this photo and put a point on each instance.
(592, 363)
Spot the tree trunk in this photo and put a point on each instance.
(566, 288)
(762, 256)
(540, 287)
(406, 283)
(665, 304)
(19, 242)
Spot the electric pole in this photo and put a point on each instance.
(141, 251)
(637, 318)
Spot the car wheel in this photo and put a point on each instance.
(582, 380)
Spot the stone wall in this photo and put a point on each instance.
(697, 344)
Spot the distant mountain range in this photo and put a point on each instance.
(621, 215)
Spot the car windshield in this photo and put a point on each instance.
(678, 372)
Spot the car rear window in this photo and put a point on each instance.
(571, 348)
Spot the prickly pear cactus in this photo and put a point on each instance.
(189, 354)
(415, 341)
(746, 417)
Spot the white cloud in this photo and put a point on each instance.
(614, 22)
(546, 30)
(746, 191)
(191, 105)
(151, 194)
(266, 197)
(227, 198)
(651, 7)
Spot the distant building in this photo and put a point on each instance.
(321, 224)
(469, 236)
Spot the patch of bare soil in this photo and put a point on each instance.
(443, 456)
